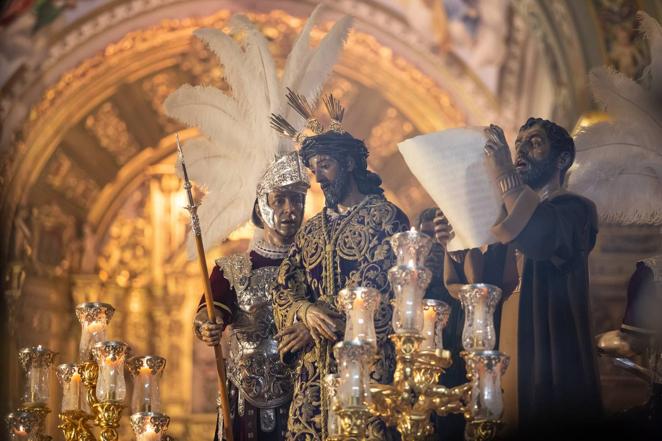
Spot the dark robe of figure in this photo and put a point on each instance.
(334, 251)
(546, 324)
(260, 385)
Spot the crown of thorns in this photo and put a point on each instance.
(301, 105)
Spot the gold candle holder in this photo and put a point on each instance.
(89, 372)
(485, 430)
(110, 387)
(73, 420)
(108, 418)
(74, 426)
(408, 402)
(353, 423)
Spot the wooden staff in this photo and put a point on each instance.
(209, 300)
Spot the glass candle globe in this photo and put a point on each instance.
(479, 302)
(94, 318)
(485, 368)
(411, 248)
(435, 317)
(36, 362)
(409, 279)
(110, 356)
(149, 426)
(331, 382)
(146, 372)
(70, 379)
(23, 425)
(354, 364)
(359, 305)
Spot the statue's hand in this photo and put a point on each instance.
(320, 323)
(293, 338)
(443, 231)
(497, 154)
(209, 332)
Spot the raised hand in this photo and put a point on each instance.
(443, 231)
(497, 153)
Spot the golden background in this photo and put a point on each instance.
(93, 211)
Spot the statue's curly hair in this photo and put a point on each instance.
(341, 147)
(559, 139)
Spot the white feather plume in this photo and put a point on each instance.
(619, 163)
(622, 97)
(307, 68)
(239, 144)
(216, 114)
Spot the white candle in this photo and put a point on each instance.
(358, 318)
(71, 393)
(111, 385)
(429, 322)
(409, 307)
(145, 383)
(355, 384)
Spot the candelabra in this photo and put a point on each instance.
(93, 390)
(408, 402)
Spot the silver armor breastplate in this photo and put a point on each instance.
(254, 365)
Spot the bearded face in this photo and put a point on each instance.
(333, 177)
(536, 161)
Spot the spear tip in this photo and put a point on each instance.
(179, 147)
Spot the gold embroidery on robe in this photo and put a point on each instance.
(333, 251)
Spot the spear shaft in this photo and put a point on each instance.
(209, 300)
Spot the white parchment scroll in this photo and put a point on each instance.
(449, 164)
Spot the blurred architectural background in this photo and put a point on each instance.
(91, 209)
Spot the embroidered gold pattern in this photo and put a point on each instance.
(332, 252)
